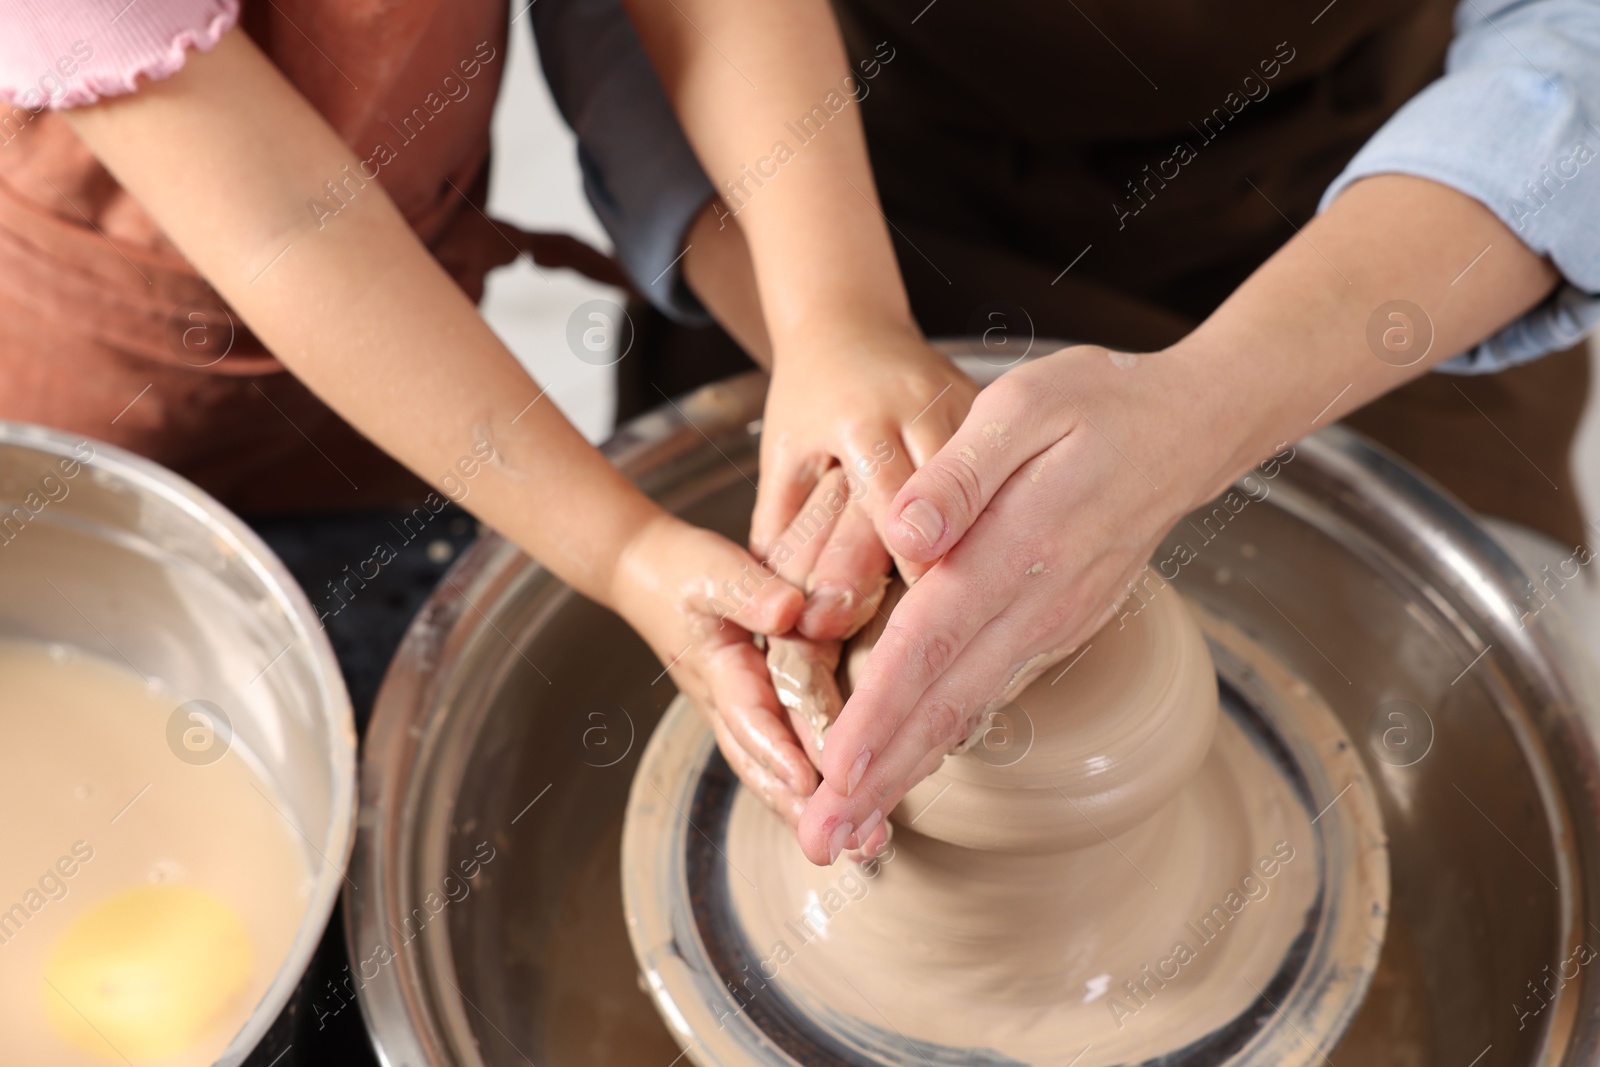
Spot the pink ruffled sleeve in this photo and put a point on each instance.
(63, 53)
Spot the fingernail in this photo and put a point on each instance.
(864, 835)
(835, 598)
(841, 834)
(827, 601)
(924, 518)
(856, 771)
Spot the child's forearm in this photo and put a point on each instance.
(225, 155)
(767, 98)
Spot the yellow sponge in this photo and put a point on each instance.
(145, 974)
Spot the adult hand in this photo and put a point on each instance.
(876, 403)
(1040, 509)
(1062, 479)
(690, 593)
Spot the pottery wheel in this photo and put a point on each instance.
(1144, 858)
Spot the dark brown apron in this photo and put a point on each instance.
(1115, 170)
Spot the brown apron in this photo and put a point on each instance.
(1115, 170)
(105, 330)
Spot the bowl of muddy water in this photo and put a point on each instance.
(178, 772)
(489, 926)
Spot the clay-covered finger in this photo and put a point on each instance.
(774, 793)
(847, 581)
(743, 700)
(802, 673)
(773, 742)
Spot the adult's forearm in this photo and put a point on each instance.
(1398, 275)
(747, 81)
(225, 155)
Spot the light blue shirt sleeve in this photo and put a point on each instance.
(1514, 123)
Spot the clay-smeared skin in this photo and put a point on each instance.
(865, 601)
(802, 673)
(1016, 929)
(805, 672)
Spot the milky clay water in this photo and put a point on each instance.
(146, 902)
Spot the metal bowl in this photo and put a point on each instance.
(116, 555)
(512, 720)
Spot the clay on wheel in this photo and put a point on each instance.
(1110, 738)
(1113, 736)
(1127, 885)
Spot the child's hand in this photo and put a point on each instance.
(697, 598)
(877, 402)
(832, 541)
(831, 552)
(1047, 500)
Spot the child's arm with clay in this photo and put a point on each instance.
(223, 154)
(853, 382)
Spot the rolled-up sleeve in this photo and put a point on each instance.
(639, 173)
(1514, 123)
